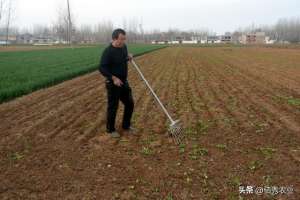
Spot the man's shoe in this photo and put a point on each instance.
(114, 134)
(130, 130)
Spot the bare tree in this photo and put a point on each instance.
(85, 34)
(8, 19)
(63, 27)
(70, 27)
(286, 29)
(132, 27)
(141, 31)
(103, 31)
(60, 26)
(1, 9)
(133, 30)
(42, 31)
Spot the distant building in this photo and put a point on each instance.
(179, 39)
(189, 42)
(227, 38)
(198, 39)
(235, 37)
(269, 41)
(37, 40)
(203, 41)
(25, 38)
(12, 39)
(253, 38)
(160, 42)
(213, 39)
(174, 42)
(43, 41)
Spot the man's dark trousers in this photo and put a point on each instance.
(114, 94)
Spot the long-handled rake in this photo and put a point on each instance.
(175, 129)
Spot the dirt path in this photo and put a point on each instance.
(241, 117)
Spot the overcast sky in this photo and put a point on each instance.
(215, 15)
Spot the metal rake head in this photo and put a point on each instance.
(176, 131)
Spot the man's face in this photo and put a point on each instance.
(120, 41)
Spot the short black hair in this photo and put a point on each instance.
(117, 32)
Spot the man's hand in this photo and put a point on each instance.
(117, 81)
(130, 57)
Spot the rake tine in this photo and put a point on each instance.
(178, 140)
(176, 132)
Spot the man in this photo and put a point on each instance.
(114, 66)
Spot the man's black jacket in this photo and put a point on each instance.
(114, 61)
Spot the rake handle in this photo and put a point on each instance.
(152, 91)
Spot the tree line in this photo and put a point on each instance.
(65, 29)
(284, 30)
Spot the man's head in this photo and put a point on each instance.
(119, 37)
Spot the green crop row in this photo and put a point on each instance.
(22, 72)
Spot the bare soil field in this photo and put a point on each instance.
(240, 108)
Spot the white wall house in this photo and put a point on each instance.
(269, 41)
(189, 42)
